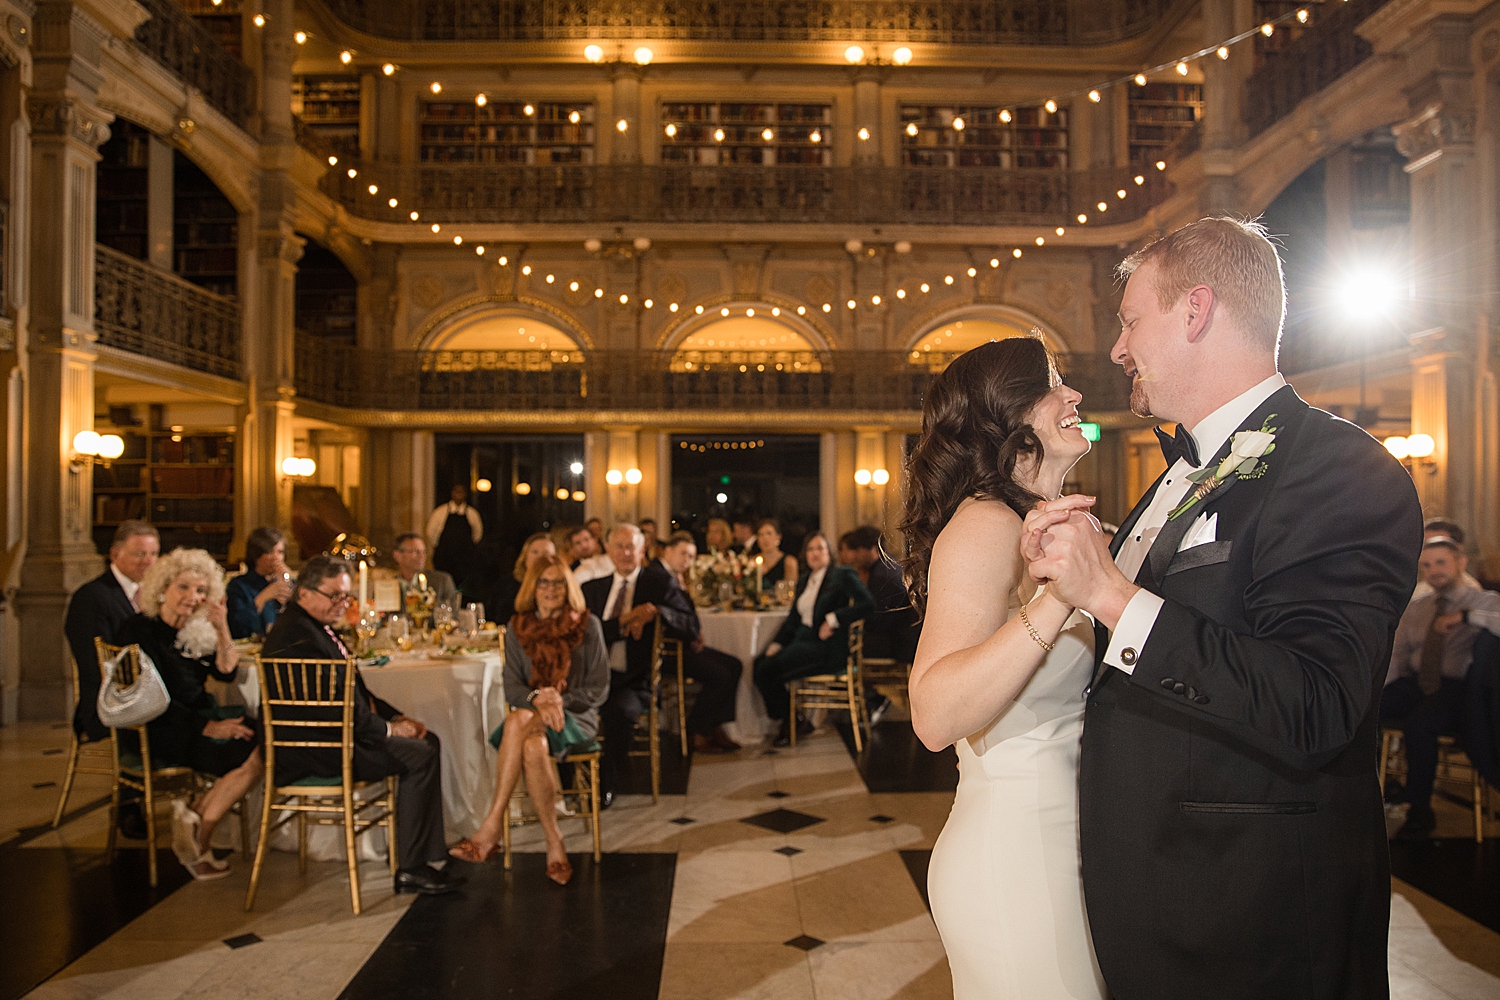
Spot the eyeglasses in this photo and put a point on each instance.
(342, 597)
(550, 583)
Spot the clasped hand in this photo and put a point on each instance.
(1064, 548)
(549, 705)
(409, 728)
(633, 622)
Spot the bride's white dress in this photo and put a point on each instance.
(1004, 877)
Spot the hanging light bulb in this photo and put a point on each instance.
(864, 134)
(1302, 16)
(622, 125)
(1267, 29)
(574, 117)
(415, 215)
(1140, 79)
(643, 56)
(853, 54)
(1005, 115)
(1095, 96)
(435, 87)
(958, 124)
(911, 129)
(481, 100)
(1041, 241)
(1051, 106)
(671, 131)
(300, 38)
(389, 69)
(1182, 68)
(1223, 52)
(1082, 218)
(346, 57)
(1016, 252)
(902, 56)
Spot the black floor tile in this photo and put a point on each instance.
(241, 940)
(515, 934)
(916, 865)
(804, 942)
(776, 794)
(783, 820)
(788, 851)
(1460, 873)
(63, 903)
(894, 760)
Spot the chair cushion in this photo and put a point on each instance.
(317, 781)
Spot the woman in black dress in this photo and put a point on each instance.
(183, 627)
(775, 566)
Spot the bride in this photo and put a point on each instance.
(1000, 674)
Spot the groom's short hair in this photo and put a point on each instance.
(1234, 257)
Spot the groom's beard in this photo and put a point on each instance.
(1139, 404)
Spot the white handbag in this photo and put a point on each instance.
(127, 706)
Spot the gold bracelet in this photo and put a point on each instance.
(1036, 637)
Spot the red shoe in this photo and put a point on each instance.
(467, 850)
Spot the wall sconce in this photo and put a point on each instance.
(523, 489)
(614, 477)
(631, 476)
(88, 445)
(483, 485)
(298, 468)
(1416, 449)
(871, 479)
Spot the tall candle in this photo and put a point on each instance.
(421, 581)
(364, 583)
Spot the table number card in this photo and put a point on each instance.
(387, 595)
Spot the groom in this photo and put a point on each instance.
(1232, 831)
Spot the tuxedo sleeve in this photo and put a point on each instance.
(1333, 564)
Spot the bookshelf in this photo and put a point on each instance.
(121, 214)
(329, 105)
(180, 480)
(326, 304)
(1033, 139)
(205, 230)
(223, 20)
(724, 133)
(518, 133)
(1158, 116)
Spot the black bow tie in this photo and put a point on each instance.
(1178, 445)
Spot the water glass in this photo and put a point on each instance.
(785, 591)
(465, 623)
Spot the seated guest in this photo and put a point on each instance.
(892, 632)
(184, 628)
(596, 528)
(502, 600)
(717, 672)
(814, 639)
(256, 595)
(718, 538)
(743, 534)
(612, 599)
(98, 609)
(586, 558)
(556, 677)
(410, 554)
(775, 566)
(1425, 691)
(653, 543)
(385, 741)
(1448, 529)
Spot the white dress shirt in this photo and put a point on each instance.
(128, 585)
(593, 568)
(617, 648)
(439, 520)
(1139, 616)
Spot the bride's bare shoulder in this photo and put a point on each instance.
(990, 519)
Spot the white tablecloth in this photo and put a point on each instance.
(744, 634)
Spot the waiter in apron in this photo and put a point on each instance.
(454, 531)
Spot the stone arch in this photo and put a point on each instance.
(767, 313)
(467, 323)
(969, 325)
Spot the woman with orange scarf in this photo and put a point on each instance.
(556, 677)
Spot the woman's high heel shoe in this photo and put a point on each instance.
(467, 850)
(560, 871)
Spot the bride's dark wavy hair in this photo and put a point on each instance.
(974, 430)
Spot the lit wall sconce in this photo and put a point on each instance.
(523, 489)
(298, 468)
(614, 477)
(871, 479)
(483, 485)
(633, 476)
(1416, 450)
(89, 445)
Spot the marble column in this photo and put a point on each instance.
(67, 128)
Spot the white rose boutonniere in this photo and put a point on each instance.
(1247, 450)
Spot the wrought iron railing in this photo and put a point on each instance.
(179, 43)
(144, 310)
(1327, 50)
(783, 194)
(888, 381)
(952, 22)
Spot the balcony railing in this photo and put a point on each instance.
(887, 381)
(950, 22)
(179, 43)
(1326, 51)
(144, 310)
(785, 194)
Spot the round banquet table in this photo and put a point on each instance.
(744, 635)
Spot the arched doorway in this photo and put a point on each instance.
(748, 337)
(951, 335)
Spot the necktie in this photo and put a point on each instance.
(135, 599)
(617, 606)
(343, 650)
(1430, 676)
(1179, 444)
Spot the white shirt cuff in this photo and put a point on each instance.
(1132, 631)
(387, 728)
(832, 620)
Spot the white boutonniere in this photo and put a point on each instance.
(1244, 461)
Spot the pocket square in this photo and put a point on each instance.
(1203, 531)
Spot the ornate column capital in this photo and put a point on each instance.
(63, 117)
(1427, 136)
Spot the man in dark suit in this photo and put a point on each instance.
(814, 639)
(717, 673)
(892, 632)
(614, 601)
(385, 741)
(1232, 831)
(97, 609)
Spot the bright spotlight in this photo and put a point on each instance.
(1367, 293)
(576, 468)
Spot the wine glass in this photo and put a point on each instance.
(400, 631)
(442, 618)
(366, 627)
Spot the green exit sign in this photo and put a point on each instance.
(1090, 431)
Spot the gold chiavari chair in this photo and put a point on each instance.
(672, 652)
(133, 769)
(585, 761)
(90, 757)
(844, 690)
(312, 703)
(652, 736)
(1454, 767)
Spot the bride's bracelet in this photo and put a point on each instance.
(1035, 635)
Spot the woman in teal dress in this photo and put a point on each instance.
(556, 677)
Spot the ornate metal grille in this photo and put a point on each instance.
(176, 41)
(144, 310)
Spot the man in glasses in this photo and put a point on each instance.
(385, 741)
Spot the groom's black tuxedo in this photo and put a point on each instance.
(1232, 831)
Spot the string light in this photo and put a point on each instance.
(1005, 115)
(389, 69)
(259, 20)
(458, 241)
(643, 56)
(971, 272)
(1016, 252)
(300, 38)
(1267, 29)
(333, 161)
(435, 87)
(528, 110)
(1182, 69)
(864, 134)
(415, 216)
(574, 117)
(958, 124)
(1140, 79)
(1094, 96)
(481, 100)
(1223, 52)
(853, 54)
(994, 262)
(671, 131)
(593, 53)
(911, 129)
(902, 56)
(346, 57)
(1051, 106)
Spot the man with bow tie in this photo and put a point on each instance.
(1232, 830)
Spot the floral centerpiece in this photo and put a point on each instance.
(726, 578)
(420, 600)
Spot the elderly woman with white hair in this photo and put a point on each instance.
(183, 627)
